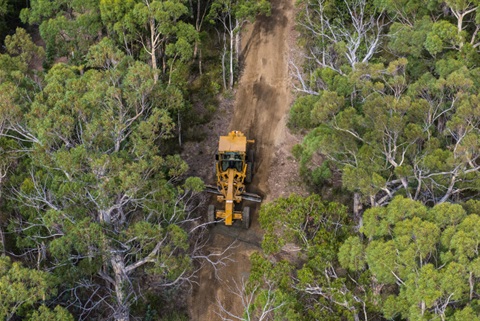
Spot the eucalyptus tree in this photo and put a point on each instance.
(418, 139)
(300, 271)
(338, 35)
(199, 10)
(19, 82)
(259, 301)
(100, 202)
(399, 122)
(446, 35)
(431, 275)
(24, 293)
(68, 27)
(157, 26)
(232, 15)
(408, 261)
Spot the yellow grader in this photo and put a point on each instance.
(233, 168)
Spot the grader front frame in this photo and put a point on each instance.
(234, 165)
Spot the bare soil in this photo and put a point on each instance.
(260, 110)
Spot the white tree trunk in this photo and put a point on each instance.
(120, 280)
(153, 55)
(232, 49)
(122, 308)
(357, 210)
(237, 40)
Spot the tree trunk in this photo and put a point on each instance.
(472, 285)
(197, 27)
(104, 216)
(237, 41)
(153, 49)
(460, 26)
(356, 317)
(230, 83)
(122, 306)
(231, 34)
(357, 210)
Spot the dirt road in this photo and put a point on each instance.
(263, 96)
(261, 106)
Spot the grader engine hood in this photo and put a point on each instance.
(234, 142)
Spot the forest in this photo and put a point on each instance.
(99, 219)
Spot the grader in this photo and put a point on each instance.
(233, 168)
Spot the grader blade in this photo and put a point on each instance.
(212, 189)
(252, 197)
(245, 196)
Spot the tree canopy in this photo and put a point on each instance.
(387, 104)
(97, 209)
(402, 120)
(96, 201)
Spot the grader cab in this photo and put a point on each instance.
(234, 164)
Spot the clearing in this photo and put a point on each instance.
(262, 102)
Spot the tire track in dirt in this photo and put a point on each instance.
(263, 96)
(262, 102)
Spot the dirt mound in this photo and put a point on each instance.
(261, 106)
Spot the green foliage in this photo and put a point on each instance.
(239, 9)
(466, 314)
(318, 229)
(280, 288)
(18, 79)
(21, 46)
(165, 38)
(383, 139)
(405, 39)
(301, 113)
(69, 27)
(95, 141)
(428, 253)
(45, 314)
(22, 288)
(351, 254)
(380, 119)
(413, 262)
(302, 221)
(443, 34)
(95, 190)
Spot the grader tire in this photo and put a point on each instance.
(248, 175)
(251, 158)
(246, 217)
(250, 166)
(211, 214)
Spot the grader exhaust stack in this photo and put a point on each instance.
(233, 168)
